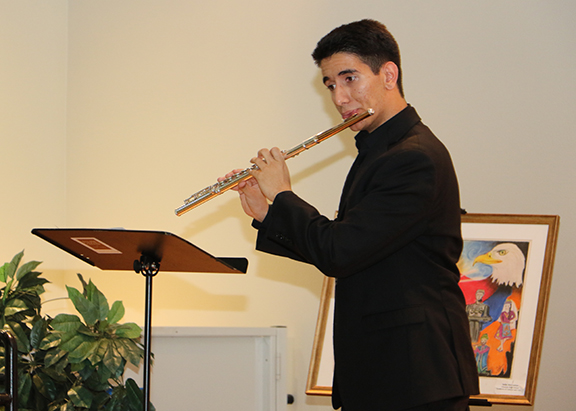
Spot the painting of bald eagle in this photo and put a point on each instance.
(491, 278)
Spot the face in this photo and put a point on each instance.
(355, 88)
(479, 295)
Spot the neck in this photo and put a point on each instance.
(392, 107)
(396, 107)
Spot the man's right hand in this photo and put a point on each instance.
(253, 201)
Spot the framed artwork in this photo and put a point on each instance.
(505, 276)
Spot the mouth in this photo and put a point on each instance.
(347, 114)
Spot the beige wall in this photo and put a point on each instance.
(112, 112)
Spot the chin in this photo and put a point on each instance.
(360, 126)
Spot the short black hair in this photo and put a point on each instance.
(368, 39)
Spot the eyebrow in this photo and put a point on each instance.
(342, 73)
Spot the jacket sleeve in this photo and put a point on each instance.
(392, 210)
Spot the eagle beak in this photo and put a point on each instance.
(486, 259)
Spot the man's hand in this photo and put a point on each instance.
(272, 174)
(270, 178)
(253, 201)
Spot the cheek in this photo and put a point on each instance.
(361, 93)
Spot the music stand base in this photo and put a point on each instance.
(480, 402)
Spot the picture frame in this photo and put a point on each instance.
(507, 317)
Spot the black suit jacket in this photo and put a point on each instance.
(401, 335)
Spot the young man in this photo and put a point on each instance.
(401, 334)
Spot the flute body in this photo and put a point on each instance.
(220, 187)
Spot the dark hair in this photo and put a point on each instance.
(370, 40)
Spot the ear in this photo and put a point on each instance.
(389, 70)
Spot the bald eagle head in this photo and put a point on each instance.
(507, 261)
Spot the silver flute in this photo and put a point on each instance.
(226, 184)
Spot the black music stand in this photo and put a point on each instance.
(143, 252)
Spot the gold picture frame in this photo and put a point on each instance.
(511, 327)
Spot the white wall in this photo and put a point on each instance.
(112, 112)
(33, 57)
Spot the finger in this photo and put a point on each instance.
(264, 155)
(276, 153)
(259, 162)
(230, 174)
(239, 186)
(251, 182)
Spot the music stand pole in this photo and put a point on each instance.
(149, 268)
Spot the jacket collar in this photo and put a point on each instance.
(390, 132)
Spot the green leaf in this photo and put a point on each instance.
(82, 369)
(4, 272)
(66, 322)
(80, 396)
(99, 352)
(53, 356)
(117, 398)
(58, 372)
(7, 290)
(101, 400)
(51, 340)
(95, 296)
(24, 387)
(135, 396)
(30, 297)
(112, 358)
(27, 268)
(38, 332)
(84, 284)
(22, 340)
(130, 351)
(14, 264)
(79, 347)
(83, 351)
(87, 331)
(104, 375)
(45, 385)
(87, 309)
(102, 326)
(67, 407)
(128, 330)
(116, 312)
(73, 343)
(14, 306)
(32, 282)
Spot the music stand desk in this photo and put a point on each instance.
(143, 252)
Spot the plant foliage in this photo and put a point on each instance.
(68, 362)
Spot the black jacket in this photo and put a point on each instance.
(401, 335)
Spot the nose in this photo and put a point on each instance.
(340, 96)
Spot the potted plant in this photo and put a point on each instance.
(68, 362)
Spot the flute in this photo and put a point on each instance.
(220, 187)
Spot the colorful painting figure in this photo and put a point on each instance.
(481, 351)
(491, 278)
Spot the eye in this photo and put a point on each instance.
(351, 78)
(331, 87)
(502, 252)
